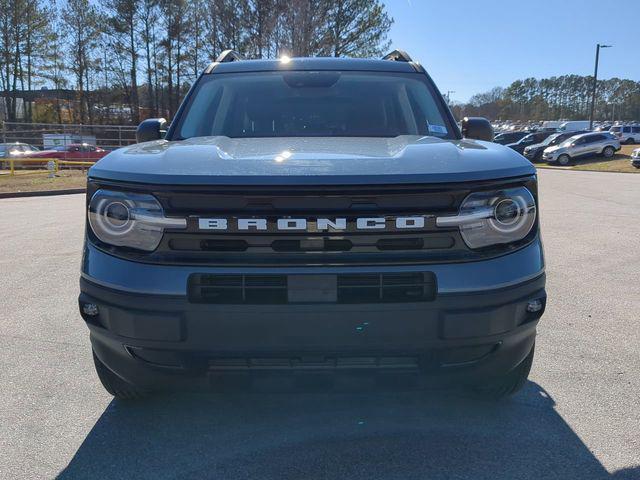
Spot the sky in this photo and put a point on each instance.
(471, 46)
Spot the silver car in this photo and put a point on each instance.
(580, 146)
(635, 158)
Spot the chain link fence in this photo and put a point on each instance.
(48, 135)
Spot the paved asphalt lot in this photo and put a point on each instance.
(578, 417)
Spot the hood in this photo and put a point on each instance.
(555, 148)
(535, 146)
(319, 161)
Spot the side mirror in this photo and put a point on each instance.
(151, 129)
(477, 128)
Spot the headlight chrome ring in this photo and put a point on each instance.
(131, 220)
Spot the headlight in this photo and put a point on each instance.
(491, 218)
(129, 219)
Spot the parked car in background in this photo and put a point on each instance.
(15, 150)
(534, 152)
(628, 134)
(510, 137)
(76, 151)
(580, 146)
(635, 158)
(574, 125)
(530, 139)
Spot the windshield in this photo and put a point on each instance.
(528, 138)
(313, 104)
(550, 139)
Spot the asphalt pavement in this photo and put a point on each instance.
(578, 416)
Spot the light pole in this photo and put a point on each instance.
(595, 83)
(449, 92)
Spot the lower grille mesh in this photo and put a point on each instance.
(349, 288)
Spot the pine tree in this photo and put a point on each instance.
(80, 23)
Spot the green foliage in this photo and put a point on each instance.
(564, 97)
(104, 48)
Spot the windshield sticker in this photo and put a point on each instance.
(441, 129)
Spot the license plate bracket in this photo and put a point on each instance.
(312, 288)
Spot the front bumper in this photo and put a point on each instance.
(477, 326)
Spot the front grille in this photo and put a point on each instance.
(310, 248)
(296, 200)
(315, 363)
(282, 289)
(313, 246)
(194, 243)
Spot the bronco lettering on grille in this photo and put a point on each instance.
(313, 224)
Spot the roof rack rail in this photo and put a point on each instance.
(229, 56)
(398, 56)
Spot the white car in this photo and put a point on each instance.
(580, 146)
(574, 125)
(635, 158)
(628, 134)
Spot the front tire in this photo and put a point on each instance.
(113, 384)
(608, 152)
(509, 384)
(564, 160)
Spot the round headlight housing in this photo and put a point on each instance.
(495, 217)
(127, 219)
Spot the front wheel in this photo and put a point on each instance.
(608, 152)
(510, 383)
(115, 385)
(564, 160)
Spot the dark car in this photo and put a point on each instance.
(510, 137)
(534, 152)
(316, 216)
(530, 139)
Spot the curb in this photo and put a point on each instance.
(43, 193)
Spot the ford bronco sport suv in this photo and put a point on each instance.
(312, 216)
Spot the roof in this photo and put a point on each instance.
(315, 63)
(585, 134)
